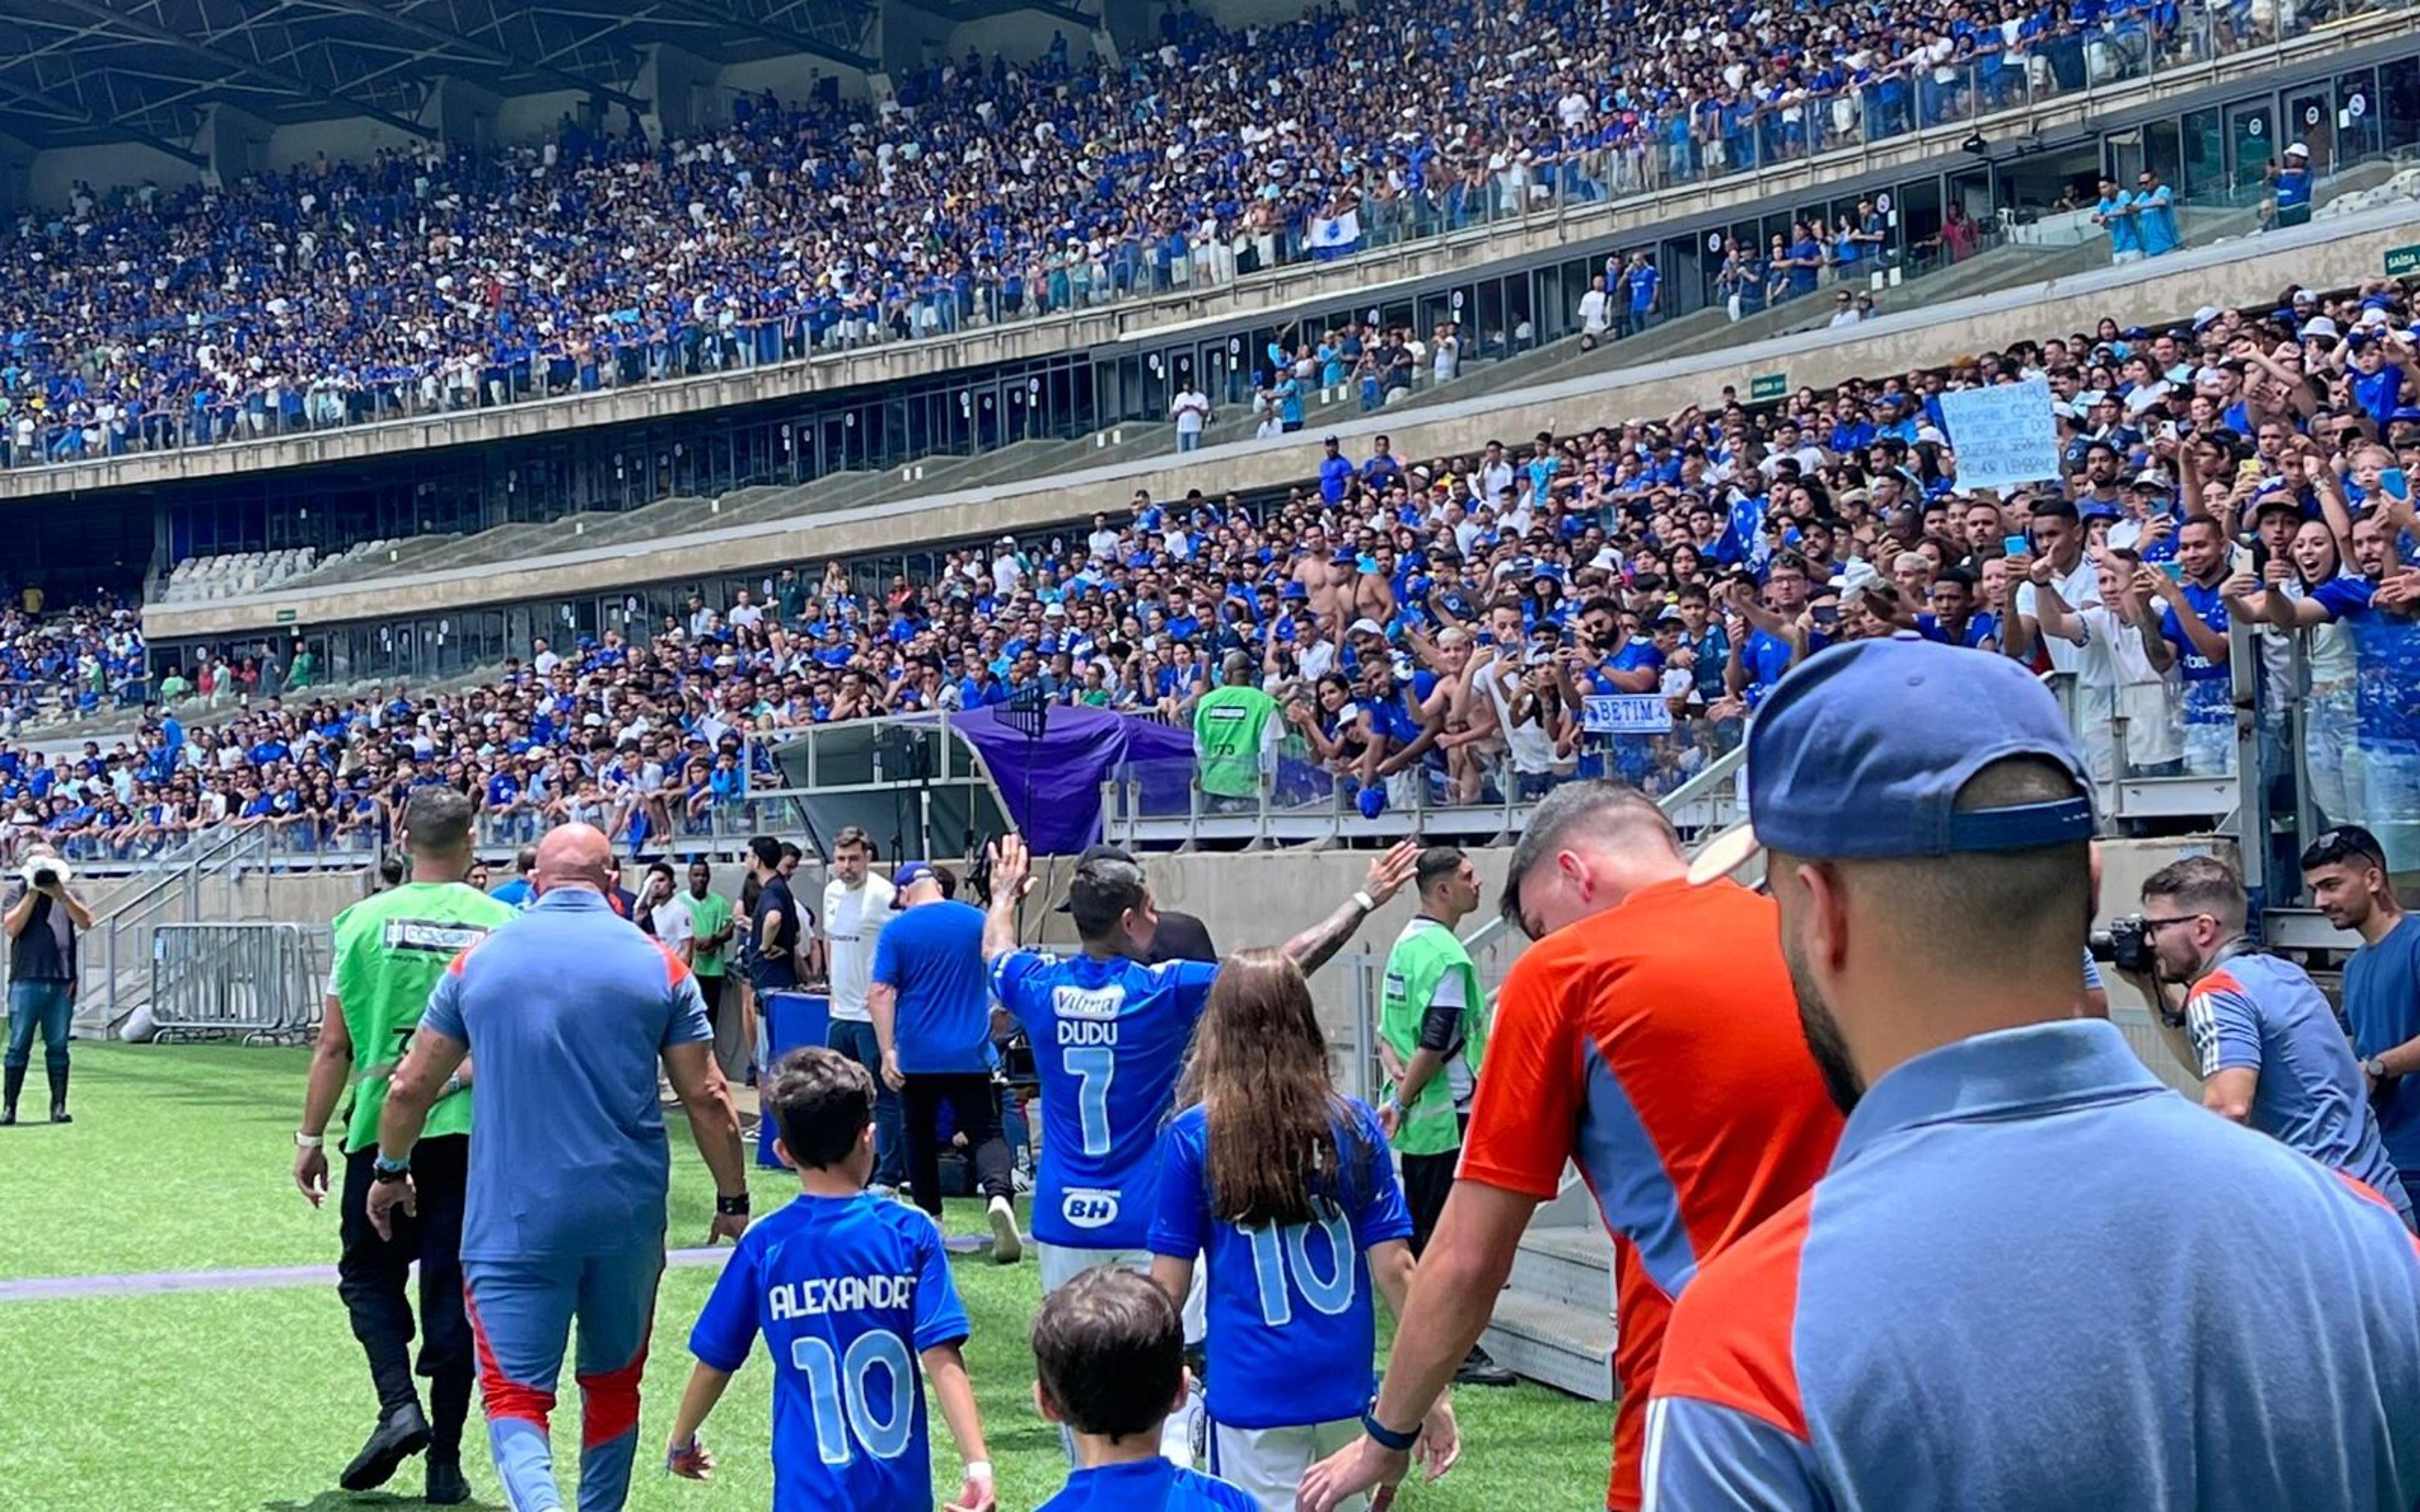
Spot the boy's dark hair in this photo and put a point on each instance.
(767, 850)
(821, 1102)
(1109, 1348)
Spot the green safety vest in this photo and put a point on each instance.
(391, 950)
(1229, 724)
(1423, 958)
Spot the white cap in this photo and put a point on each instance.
(1366, 626)
(2297, 150)
(2321, 325)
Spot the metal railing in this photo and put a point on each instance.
(260, 984)
(202, 882)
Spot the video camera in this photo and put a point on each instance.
(2126, 945)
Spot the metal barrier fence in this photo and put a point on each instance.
(260, 984)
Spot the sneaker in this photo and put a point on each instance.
(1477, 1369)
(1007, 1244)
(400, 1434)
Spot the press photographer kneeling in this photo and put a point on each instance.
(2270, 1050)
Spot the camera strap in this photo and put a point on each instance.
(2229, 952)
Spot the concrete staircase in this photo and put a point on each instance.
(1554, 1322)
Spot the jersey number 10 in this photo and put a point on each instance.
(1277, 1251)
(842, 1411)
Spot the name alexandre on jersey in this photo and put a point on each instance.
(818, 1295)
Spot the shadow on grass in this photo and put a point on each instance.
(362, 1502)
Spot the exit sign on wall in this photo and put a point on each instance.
(2402, 260)
(1774, 385)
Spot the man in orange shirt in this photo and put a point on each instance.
(1649, 1038)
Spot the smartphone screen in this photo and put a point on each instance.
(2015, 546)
(2395, 484)
(2176, 571)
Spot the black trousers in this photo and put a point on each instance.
(1428, 1180)
(974, 1105)
(373, 1274)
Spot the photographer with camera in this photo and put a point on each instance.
(2271, 1053)
(41, 917)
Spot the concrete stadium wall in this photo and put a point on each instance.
(2250, 271)
(523, 119)
(354, 139)
(51, 176)
(1019, 36)
(1377, 275)
(791, 77)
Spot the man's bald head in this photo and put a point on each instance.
(575, 856)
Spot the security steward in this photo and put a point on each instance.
(391, 949)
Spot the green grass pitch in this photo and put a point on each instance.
(251, 1401)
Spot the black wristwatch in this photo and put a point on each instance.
(732, 1207)
(1383, 1436)
(382, 1172)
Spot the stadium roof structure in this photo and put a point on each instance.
(74, 72)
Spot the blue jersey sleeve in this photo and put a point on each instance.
(687, 1022)
(725, 1329)
(445, 1011)
(940, 1317)
(1010, 974)
(1181, 1227)
(2341, 597)
(1703, 1457)
(2225, 1029)
(1193, 979)
(1381, 1215)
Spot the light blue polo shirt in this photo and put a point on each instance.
(567, 1010)
(2033, 1278)
(2259, 1013)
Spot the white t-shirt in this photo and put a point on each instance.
(1190, 407)
(1592, 305)
(2081, 589)
(853, 921)
(674, 927)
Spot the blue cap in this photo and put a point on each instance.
(1860, 754)
(911, 873)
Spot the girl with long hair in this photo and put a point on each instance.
(1286, 1187)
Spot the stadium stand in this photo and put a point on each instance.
(1433, 627)
(428, 281)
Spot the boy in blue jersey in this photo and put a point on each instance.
(1109, 1356)
(1296, 1206)
(845, 1288)
(1109, 1034)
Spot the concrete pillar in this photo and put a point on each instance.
(16, 163)
(681, 86)
(234, 141)
(464, 112)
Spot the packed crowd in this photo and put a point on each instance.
(427, 279)
(1434, 630)
(87, 657)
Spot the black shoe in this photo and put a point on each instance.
(400, 1434)
(58, 1075)
(446, 1485)
(59, 1114)
(1477, 1369)
(7, 1117)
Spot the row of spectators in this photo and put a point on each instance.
(1433, 630)
(81, 658)
(429, 278)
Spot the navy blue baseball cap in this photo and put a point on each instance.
(910, 874)
(1860, 753)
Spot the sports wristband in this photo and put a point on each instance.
(453, 1085)
(308, 1141)
(979, 1470)
(1396, 1104)
(1362, 899)
(732, 1207)
(383, 1170)
(1385, 1437)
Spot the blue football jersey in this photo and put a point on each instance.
(1108, 1042)
(847, 1291)
(1293, 1332)
(1151, 1484)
